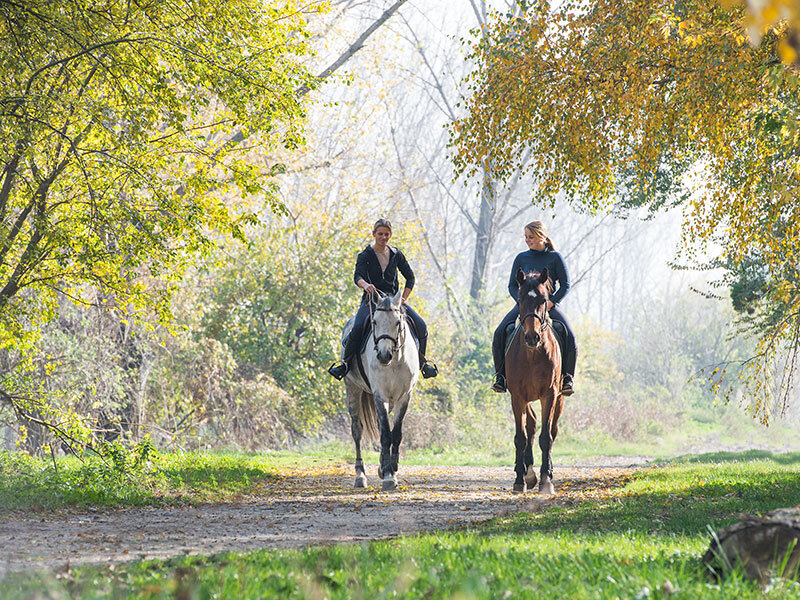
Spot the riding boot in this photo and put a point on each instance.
(428, 369)
(499, 384)
(499, 356)
(567, 386)
(568, 370)
(339, 370)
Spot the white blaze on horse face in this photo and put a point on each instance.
(532, 294)
(386, 331)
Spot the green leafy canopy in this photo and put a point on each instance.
(119, 124)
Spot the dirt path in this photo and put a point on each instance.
(314, 507)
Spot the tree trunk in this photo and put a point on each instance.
(483, 237)
(761, 546)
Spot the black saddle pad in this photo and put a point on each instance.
(559, 330)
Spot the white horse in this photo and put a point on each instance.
(391, 364)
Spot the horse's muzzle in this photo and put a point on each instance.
(532, 340)
(384, 357)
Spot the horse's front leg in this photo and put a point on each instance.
(530, 434)
(546, 442)
(397, 433)
(520, 441)
(385, 468)
(354, 397)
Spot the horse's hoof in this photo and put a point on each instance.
(546, 488)
(361, 481)
(389, 484)
(530, 477)
(519, 488)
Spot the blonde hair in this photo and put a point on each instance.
(537, 228)
(382, 223)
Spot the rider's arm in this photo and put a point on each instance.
(405, 269)
(513, 286)
(362, 271)
(561, 275)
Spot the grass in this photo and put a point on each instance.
(642, 539)
(28, 483)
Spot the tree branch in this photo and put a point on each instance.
(238, 135)
(355, 46)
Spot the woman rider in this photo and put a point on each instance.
(540, 254)
(376, 269)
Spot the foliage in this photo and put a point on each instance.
(653, 103)
(198, 399)
(87, 363)
(625, 540)
(280, 302)
(114, 129)
(118, 140)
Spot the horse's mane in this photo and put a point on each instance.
(532, 282)
(386, 303)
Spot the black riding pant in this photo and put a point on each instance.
(498, 342)
(354, 339)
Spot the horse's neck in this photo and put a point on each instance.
(549, 343)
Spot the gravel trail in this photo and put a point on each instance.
(317, 506)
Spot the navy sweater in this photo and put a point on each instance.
(368, 268)
(537, 260)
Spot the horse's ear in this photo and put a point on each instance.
(520, 276)
(544, 275)
(397, 297)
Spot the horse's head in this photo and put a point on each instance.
(534, 292)
(387, 327)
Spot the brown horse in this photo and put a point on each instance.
(533, 372)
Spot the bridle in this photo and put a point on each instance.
(397, 342)
(544, 321)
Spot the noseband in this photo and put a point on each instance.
(545, 322)
(395, 340)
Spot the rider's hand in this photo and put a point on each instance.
(550, 305)
(403, 300)
(370, 289)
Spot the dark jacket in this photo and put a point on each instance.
(368, 268)
(536, 260)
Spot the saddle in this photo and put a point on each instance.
(559, 330)
(365, 338)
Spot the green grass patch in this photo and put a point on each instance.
(28, 483)
(629, 541)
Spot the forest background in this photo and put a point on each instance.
(222, 341)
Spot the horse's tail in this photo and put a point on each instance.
(369, 418)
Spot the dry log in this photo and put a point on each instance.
(761, 546)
